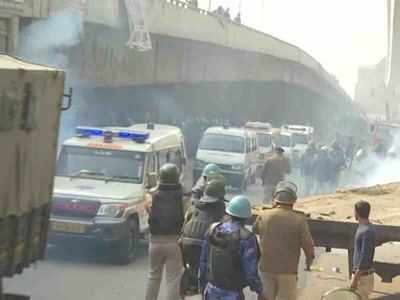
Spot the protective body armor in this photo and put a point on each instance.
(166, 216)
(225, 268)
(203, 216)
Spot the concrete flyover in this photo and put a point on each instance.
(190, 45)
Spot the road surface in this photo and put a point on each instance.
(88, 274)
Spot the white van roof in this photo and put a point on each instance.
(161, 137)
(235, 131)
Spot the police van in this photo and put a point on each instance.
(102, 177)
(234, 150)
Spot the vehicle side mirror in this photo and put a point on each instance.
(151, 180)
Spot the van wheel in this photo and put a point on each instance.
(127, 250)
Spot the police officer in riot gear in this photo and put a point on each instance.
(230, 255)
(166, 210)
(208, 210)
(210, 171)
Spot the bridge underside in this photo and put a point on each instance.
(238, 102)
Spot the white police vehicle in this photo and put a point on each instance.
(102, 177)
(301, 136)
(234, 150)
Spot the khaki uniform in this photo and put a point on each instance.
(365, 286)
(275, 170)
(165, 253)
(283, 232)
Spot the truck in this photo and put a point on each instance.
(332, 224)
(31, 98)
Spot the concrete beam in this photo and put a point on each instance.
(173, 19)
(102, 59)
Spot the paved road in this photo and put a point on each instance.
(88, 274)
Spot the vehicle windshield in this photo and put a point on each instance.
(299, 138)
(222, 142)
(284, 140)
(263, 140)
(102, 164)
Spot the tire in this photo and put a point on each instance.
(127, 249)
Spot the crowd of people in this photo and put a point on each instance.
(203, 236)
(321, 167)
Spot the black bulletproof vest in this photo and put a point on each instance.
(225, 268)
(203, 216)
(166, 215)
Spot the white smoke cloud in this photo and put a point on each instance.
(47, 41)
(386, 170)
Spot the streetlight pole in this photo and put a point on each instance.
(209, 5)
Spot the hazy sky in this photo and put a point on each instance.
(340, 34)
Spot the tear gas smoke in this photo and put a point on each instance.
(47, 42)
(386, 170)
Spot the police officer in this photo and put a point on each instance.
(166, 210)
(210, 171)
(230, 255)
(307, 167)
(208, 210)
(275, 170)
(283, 232)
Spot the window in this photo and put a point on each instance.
(115, 165)
(176, 158)
(248, 145)
(300, 138)
(163, 158)
(254, 144)
(284, 141)
(222, 142)
(264, 140)
(152, 163)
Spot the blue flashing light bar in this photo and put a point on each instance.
(138, 136)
